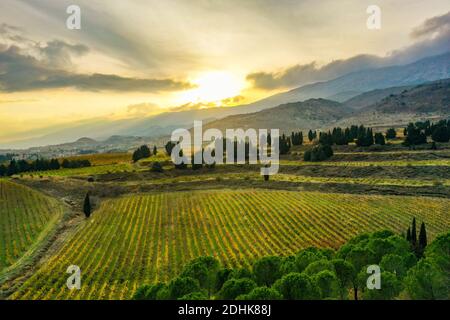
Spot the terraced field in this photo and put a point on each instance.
(87, 171)
(390, 163)
(305, 179)
(26, 217)
(146, 238)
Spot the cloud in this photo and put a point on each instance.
(439, 24)
(20, 72)
(308, 73)
(432, 38)
(58, 54)
(143, 109)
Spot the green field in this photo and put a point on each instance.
(304, 179)
(26, 217)
(146, 238)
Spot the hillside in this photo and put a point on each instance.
(429, 101)
(425, 98)
(310, 114)
(27, 217)
(350, 85)
(369, 98)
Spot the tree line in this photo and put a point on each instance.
(318, 273)
(144, 152)
(418, 132)
(24, 166)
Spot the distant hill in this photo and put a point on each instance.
(342, 88)
(426, 101)
(310, 114)
(369, 98)
(378, 107)
(426, 98)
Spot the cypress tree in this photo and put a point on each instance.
(87, 205)
(310, 136)
(155, 151)
(414, 233)
(408, 235)
(422, 238)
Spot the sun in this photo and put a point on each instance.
(213, 87)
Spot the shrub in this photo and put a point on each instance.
(391, 134)
(318, 153)
(156, 167)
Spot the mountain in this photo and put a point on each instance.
(310, 114)
(350, 85)
(340, 89)
(426, 101)
(379, 108)
(369, 98)
(425, 98)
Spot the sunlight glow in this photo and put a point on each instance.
(214, 87)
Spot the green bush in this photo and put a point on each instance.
(318, 153)
(156, 167)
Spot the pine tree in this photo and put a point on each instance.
(87, 205)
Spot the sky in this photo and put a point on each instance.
(137, 58)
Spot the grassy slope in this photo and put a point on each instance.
(27, 217)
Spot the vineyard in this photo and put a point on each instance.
(103, 158)
(305, 179)
(146, 238)
(26, 217)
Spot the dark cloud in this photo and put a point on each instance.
(20, 72)
(432, 38)
(59, 54)
(27, 65)
(436, 24)
(309, 73)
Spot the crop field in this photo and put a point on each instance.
(304, 179)
(87, 171)
(26, 216)
(392, 163)
(146, 238)
(104, 158)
